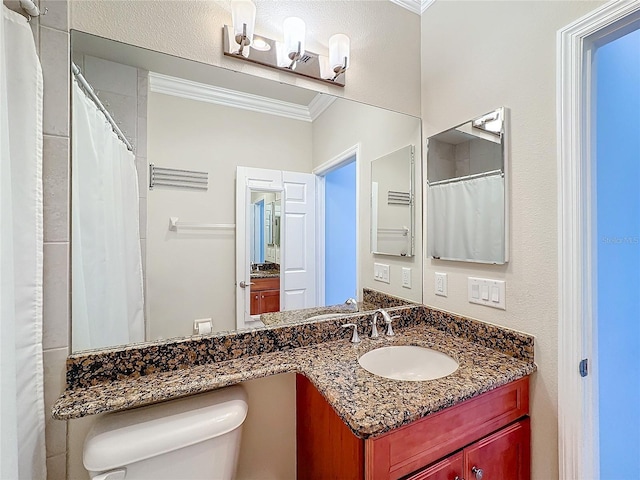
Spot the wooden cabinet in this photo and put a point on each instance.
(489, 432)
(504, 454)
(265, 295)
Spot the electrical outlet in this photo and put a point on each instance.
(441, 284)
(406, 277)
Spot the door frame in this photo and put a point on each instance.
(578, 449)
(320, 172)
(248, 179)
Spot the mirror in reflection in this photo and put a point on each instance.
(392, 203)
(466, 201)
(187, 117)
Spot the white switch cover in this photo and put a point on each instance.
(406, 277)
(381, 272)
(487, 292)
(441, 284)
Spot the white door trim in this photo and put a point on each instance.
(248, 178)
(577, 396)
(321, 171)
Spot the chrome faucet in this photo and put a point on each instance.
(354, 338)
(387, 320)
(352, 302)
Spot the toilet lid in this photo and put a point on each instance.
(122, 438)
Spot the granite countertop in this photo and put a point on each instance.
(368, 404)
(266, 274)
(293, 316)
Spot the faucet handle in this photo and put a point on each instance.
(374, 326)
(354, 338)
(388, 320)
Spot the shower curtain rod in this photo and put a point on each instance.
(467, 177)
(30, 7)
(89, 89)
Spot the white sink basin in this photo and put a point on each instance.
(407, 362)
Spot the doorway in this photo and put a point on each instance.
(599, 244)
(340, 257)
(617, 187)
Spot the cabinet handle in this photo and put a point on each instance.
(477, 472)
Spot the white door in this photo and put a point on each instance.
(298, 239)
(298, 255)
(248, 179)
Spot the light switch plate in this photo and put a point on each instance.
(441, 284)
(381, 272)
(406, 277)
(484, 291)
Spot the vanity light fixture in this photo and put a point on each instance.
(243, 15)
(294, 37)
(291, 54)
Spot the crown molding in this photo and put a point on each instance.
(426, 4)
(319, 104)
(201, 92)
(416, 6)
(411, 5)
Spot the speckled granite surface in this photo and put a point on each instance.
(295, 316)
(372, 300)
(489, 356)
(383, 300)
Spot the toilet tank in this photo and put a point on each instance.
(196, 437)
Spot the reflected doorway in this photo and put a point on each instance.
(340, 233)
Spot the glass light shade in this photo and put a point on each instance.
(243, 12)
(294, 32)
(326, 71)
(339, 45)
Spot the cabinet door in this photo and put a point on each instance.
(255, 303)
(448, 469)
(504, 454)
(269, 301)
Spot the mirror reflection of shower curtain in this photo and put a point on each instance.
(107, 291)
(466, 220)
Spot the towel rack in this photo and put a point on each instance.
(398, 198)
(173, 177)
(404, 231)
(174, 225)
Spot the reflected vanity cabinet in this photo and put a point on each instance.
(265, 295)
(485, 437)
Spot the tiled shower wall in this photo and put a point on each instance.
(51, 33)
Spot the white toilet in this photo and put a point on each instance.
(196, 437)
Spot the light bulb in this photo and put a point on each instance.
(243, 14)
(294, 37)
(339, 55)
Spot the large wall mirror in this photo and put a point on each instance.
(240, 195)
(467, 202)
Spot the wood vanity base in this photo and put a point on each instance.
(490, 432)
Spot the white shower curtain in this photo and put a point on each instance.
(107, 293)
(465, 219)
(22, 444)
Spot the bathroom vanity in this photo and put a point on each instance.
(486, 435)
(265, 295)
(351, 423)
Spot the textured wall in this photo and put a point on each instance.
(384, 39)
(477, 56)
